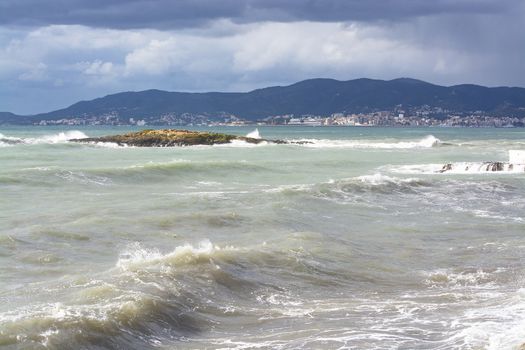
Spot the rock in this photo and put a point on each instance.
(446, 167)
(495, 166)
(172, 137)
(482, 167)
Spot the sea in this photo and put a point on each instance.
(351, 240)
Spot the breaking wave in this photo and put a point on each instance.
(428, 141)
(135, 257)
(400, 195)
(6, 141)
(60, 137)
(376, 183)
(237, 144)
(460, 168)
(151, 298)
(254, 134)
(145, 293)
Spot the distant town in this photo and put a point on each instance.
(362, 102)
(400, 117)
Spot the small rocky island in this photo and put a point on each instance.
(173, 137)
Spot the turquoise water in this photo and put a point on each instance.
(354, 240)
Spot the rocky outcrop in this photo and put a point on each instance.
(480, 167)
(446, 167)
(172, 137)
(516, 163)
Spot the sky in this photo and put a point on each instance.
(54, 53)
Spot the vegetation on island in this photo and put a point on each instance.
(172, 137)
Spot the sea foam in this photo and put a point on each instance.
(254, 134)
(135, 257)
(458, 168)
(60, 137)
(428, 141)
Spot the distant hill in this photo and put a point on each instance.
(11, 118)
(315, 96)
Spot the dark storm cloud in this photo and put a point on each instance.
(165, 14)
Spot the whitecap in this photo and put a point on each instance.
(254, 134)
(428, 141)
(380, 179)
(135, 257)
(239, 144)
(461, 279)
(60, 137)
(6, 141)
(498, 325)
(459, 168)
(109, 145)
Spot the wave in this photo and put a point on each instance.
(495, 322)
(254, 134)
(135, 257)
(60, 137)
(491, 201)
(146, 298)
(460, 168)
(199, 294)
(83, 178)
(150, 298)
(180, 165)
(163, 171)
(451, 279)
(108, 145)
(6, 141)
(48, 175)
(482, 167)
(376, 183)
(496, 325)
(105, 316)
(428, 141)
(238, 144)
(379, 179)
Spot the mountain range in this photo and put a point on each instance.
(308, 97)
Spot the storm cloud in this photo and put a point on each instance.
(55, 53)
(164, 14)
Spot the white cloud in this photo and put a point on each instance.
(36, 73)
(304, 49)
(156, 57)
(97, 67)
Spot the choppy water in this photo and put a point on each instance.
(351, 242)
